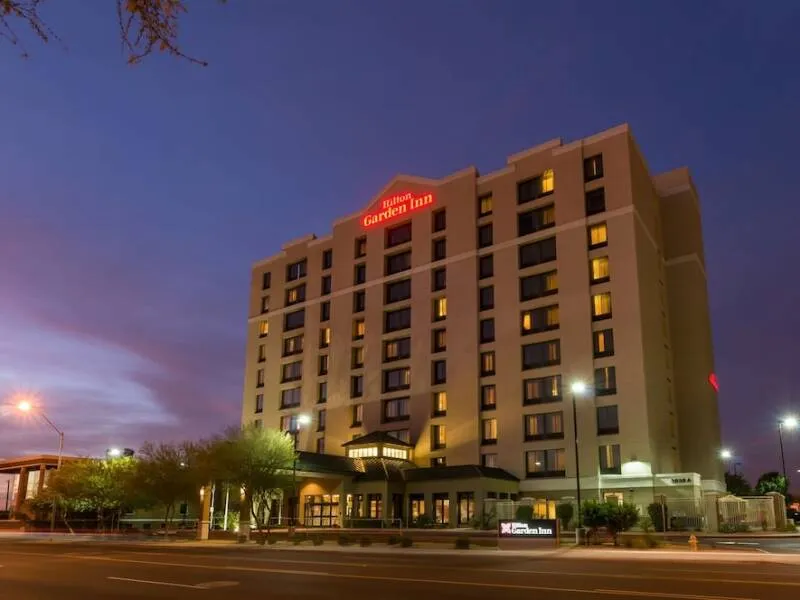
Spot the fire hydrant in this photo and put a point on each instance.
(693, 543)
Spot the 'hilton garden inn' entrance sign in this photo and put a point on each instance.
(396, 207)
(538, 529)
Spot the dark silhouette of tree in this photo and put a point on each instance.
(737, 485)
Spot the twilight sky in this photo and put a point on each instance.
(133, 200)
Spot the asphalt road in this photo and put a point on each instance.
(769, 544)
(42, 571)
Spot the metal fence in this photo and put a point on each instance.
(752, 513)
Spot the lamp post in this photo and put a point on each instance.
(726, 455)
(578, 388)
(25, 406)
(789, 423)
(302, 420)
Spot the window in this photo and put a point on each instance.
(542, 354)
(417, 506)
(537, 253)
(610, 459)
(488, 397)
(357, 357)
(538, 286)
(324, 337)
(258, 423)
(438, 437)
(396, 349)
(438, 279)
(545, 463)
(440, 309)
(396, 379)
(321, 445)
(439, 249)
(396, 263)
(294, 320)
(441, 509)
(295, 271)
(487, 363)
(367, 452)
(324, 311)
(263, 328)
(438, 461)
(359, 274)
(605, 381)
(356, 386)
(607, 420)
(262, 353)
(259, 403)
(485, 235)
(322, 392)
(359, 301)
(439, 404)
(266, 281)
(397, 291)
(486, 331)
(598, 270)
(326, 285)
(484, 205)
(466, 508)
(593, 167)
(488, 431)
(292, 371)
(400, 434)
(489, 460)
(398, 235)
(601, 306)
(296, 294)
(375, 506)
(548, 182)
(595, 201)
(438, 372)
(361, 246)
(598, 236)
(439, 220)
(265, 304)
(321, 418)
(290, 398)
(395, 453)
(359, 329)
(535, 220)
(603, 342)
(439, 340)
(536, 320)
(289, 423)
(327, 259)
(292, 345)
(394, 320)
(395, 409)
(485, 266)
(540, 390)
(323, 364)
(357, 411)
(546, 426)
(486, 297)
(260, 378)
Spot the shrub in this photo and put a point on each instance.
(317, 540)
(646, 523)
(299, 538)
(657, 515)
(791, 527)
(365, 541)
(564, 513)
(462, 542)
(524, 513)
(423, 521)
(406, 541)
(621, 517)
(344, 539)
(271, 540)
(393, 539)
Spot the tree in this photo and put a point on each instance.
(659, 515)
(258, 461)
(594, 516)
(772, 482)
(145, 26)
(737, 485)
(564, 513)
(621, 517)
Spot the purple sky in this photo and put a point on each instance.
(134, 200)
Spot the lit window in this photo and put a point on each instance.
(488, 397)
(540, 319)
(487, 363)
(598, 235)
(263, 328)
(359, 329)
(485, 205)
(439, 404)
(440, 308)
(325, 337)
(601, 306)
(489, 460)
(489, 431)
(438, 437)
(603, 343)
(548, 181)
(362, 452)
(599, 269)
(395, 453)
(610, 459)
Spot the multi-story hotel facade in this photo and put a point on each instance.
(455, 315)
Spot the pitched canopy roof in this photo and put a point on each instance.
(377, 437)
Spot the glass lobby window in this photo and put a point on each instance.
(441, 509)
(466, 508)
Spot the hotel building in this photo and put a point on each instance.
(439, 332)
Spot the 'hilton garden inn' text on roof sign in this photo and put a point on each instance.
(540, 528)
(395, 207)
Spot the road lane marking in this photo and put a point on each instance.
(261, 558)
(217, 584)
(162, 583)
(662, 595)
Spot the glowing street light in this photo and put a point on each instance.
(725, 454)
(114, 452)
(24, 406)
(302, 420)
(788, 422)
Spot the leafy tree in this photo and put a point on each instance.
(145, 26)
(594, 515)
(737, 485)
(621, 517)
(564, 513)
(772, 482)
(524, 512)
(659, 515)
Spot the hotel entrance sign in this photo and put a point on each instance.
(396, 207)
(539, 528)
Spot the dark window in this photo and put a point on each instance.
(292, 345)
(259, 403)
(537, 286)
(439, 220)
(487, 366)
(607, 420)
(605, 381)
(535, 220)
(291, 397)
(396, 349)
(541, 390)
(438, 372)
(356, 386)
(327, 259)
(486, 297)
(489, 460)
(544, 426)
(323, 364)
(320, 445)
(398, 235)
(262, 353)
(485, 266)
(400, 434)
(439, 340)
(395, 409)
(396, 379)
(396, 263)
(394, 320)
(488, 397)
(593, 167)
(439, 249)
(357, 357)
(296, 295)
(541, 354)
(438, 279)
(486, 331)
(397, 291)
(485, 235)
(294, 320)
(264, 305)
(485, 203)
(595, 201)
(535, 187)
(322, 393)
(537, 253)
(296, 270)
(324, 311)
(357, 414)
(266, 281)
(539, 319)
(603, 342)
(359, 274)
(326, 285)
(359, 301)
(361, 247)
(260, 378)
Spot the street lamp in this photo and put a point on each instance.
(114, 452)
(26, 407)
(726, 455)
(302, 421)
(578, 389)
(789, 423)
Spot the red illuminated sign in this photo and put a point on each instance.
(712, 379)
(395, 207)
